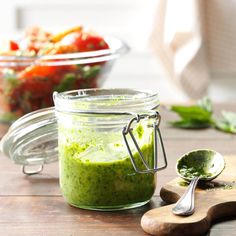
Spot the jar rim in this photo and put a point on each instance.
(105, 100)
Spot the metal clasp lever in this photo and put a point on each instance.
(157, 134)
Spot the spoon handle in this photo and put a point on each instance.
(185, 205)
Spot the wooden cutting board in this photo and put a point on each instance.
(214, 200)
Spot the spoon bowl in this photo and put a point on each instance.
(204, 165)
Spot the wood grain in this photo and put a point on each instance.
(34, 205)
(50, 215)
(211, 204)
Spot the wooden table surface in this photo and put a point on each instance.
(33, 205)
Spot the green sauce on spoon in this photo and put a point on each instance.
(197, 165)
(207, 164)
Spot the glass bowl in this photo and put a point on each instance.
(27, 83)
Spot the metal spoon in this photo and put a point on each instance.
(204, 165)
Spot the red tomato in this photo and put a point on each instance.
(13, 45)
(85, 42)
(37, 71)
(40, 81)
(89, 42)
(49, 72)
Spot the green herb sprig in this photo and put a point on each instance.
(201, 116)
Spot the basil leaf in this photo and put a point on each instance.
(67, 83)
(91, 71)
(206, 104)
(227, 122)
(195, 116)
(201, 116)
(192, 112)
(190, 124)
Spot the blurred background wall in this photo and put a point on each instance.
(131, 20)
(134, 21)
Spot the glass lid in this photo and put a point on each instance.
(32, 139)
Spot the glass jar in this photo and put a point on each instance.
(107, 146)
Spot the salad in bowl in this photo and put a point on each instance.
(38, 64)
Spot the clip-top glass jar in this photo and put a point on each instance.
(107, 145)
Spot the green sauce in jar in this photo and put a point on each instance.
(98, 176)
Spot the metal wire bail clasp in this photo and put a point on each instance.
(157, 136)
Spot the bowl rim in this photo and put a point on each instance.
(117, 48)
